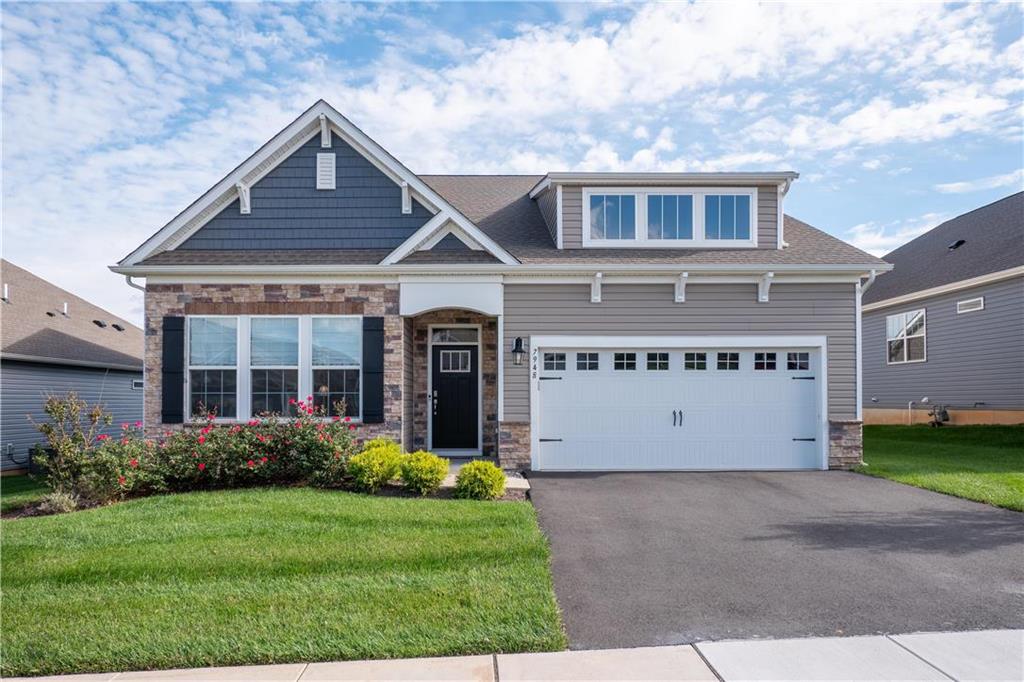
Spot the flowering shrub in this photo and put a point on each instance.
(480, 480)
(377, 464)
(94, 468)
(423, 472)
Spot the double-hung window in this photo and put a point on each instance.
(213, 366)
(905, 337)
(250, 365)
(336, 359)
(274, 364)
(670, 217)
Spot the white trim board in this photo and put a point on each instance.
(989, 278)
(582, 178)
(538, 343)
(298, 132)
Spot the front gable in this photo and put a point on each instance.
(287, 211)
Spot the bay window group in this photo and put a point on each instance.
(245, 366)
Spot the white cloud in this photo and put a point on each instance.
(1014, 179)
(879, 239)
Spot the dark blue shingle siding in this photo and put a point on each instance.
(288, 212)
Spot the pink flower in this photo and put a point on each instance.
(254, 422)
(133, 463)
(103, 436)
(263, 460)
(120, 480)
(251, 463)
(348, 419)
(351, 427)
(335, 418)
(202, 466)
(202, 439)
(125, 426)
(138, 425)
(291, 401)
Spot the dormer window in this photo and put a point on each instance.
(669, 217)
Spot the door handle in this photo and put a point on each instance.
(673, 417)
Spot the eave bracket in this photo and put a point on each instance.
(595, 288)
(325, 132)
(681, 287)
(763, 286)
(243, 199)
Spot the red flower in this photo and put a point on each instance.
(120, 480)
(254, 422)
(138, 425)
(263, 460)
(102, 436)
(251, 464)
(351, 427)
(202, 466)
(335, 418)
(133, 463)
(125, 426)
(291, 401)
(348, 419)
(207, 429)
(202, 439)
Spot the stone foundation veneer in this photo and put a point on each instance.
(845, 443)
(376, 300)
(514, 446)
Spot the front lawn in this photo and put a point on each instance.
(19, 491)
(981, 463)
(272, 576)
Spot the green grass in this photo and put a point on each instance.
(19, 491)
(271, 576)
(981, 463)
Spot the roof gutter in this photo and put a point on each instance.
(65, 361)
(766, 178)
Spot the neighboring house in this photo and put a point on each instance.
(54, 342)
(564, 321)
(948, 323)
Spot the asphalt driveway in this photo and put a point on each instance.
(668, 558)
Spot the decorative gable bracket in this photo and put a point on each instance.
(763, 286)
(325, 132)
(243, 199)
(681, 287)
(595, 288)
(406, 199)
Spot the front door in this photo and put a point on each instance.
(455, 397)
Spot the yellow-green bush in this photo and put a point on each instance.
(423, 472)
(377, 464)
(480, 480)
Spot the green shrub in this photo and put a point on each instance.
(480, 480)
(58, 502)
(423, 472)
(375, 465)
(71, 430)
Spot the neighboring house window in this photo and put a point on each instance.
(586, 362)
(274, 363)
(657, 361)
(625, 361)
(213, 365)
(554, 362)
(695, 361)
(798, 362)
(728, 361)
(612, 216)
(764, 361)
(669, 216)
(905, 337)
(727, 216)
(970, 305)
(337, 360)
(137, 384)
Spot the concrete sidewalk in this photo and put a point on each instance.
(981, 655)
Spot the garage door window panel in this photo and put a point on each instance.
(657, 362)
(728, 361)
(798, 362)
(587, 362)
(695, 361)
(764, 361)
(625, 361)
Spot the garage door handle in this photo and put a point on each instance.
(673, 417)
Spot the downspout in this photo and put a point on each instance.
(133, 285)
(871, 280)
(858, 341)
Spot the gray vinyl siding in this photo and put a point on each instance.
(24, 386)
(547, 202)
(710, 309)
(767, 217)
(288, 212)
(970, 357)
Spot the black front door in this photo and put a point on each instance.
(455, 398)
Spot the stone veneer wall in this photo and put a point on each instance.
(489, 373)
(514, 446)
(845, 444)
(374, 300)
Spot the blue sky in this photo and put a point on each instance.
(115, 117)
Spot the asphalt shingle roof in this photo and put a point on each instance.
(27, 330)
(501, 206)
(993, 240)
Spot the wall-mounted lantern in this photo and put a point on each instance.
(518, 352)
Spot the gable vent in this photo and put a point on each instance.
(325, 171)
(970, 305)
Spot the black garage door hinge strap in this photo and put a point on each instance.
(550, 440)
(802, 378)
(550, 378)
(807, 440)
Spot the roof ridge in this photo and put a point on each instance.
(956, 217)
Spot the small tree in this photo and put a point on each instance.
(70, 433)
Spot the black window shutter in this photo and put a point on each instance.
(373, 370)
(172, 380)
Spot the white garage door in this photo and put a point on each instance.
(699, 408)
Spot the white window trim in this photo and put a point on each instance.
(479, 378)
(979, 300)
(243, 368)
(923, 335)
(641, 240)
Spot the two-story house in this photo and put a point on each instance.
(568, 321)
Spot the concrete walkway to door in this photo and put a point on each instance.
(645, 559)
